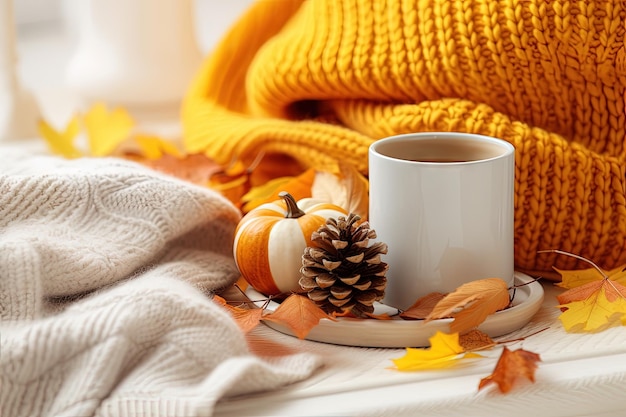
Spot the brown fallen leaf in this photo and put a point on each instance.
(476, 340)
(472, 303)
(422, 307)
(511, 366)
(299, 314)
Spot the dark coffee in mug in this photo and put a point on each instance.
(434, 150)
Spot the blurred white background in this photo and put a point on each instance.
(213, 17)
(46, 32)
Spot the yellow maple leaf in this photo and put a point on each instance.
(594, 313)
(576, 278)
(106, 129)
(154, 147)
(595, 299)
(61, 143)
(444, 351)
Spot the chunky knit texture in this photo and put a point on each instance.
(105, 274)
(319, 80)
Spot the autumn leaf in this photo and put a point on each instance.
(603, 308)
(612, 289)
(445, 351)
(154, 147)
(233, 182)
(471, 303)
(299, 187)
(106, 129)
(595, 300)
(246, 318)
(299, 314)
(422, 307)
(511, 366)
(219, 300)
(576, 278)
(61, 143)
(348, 189)
(476, 340)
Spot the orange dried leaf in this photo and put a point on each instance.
(299, 314)
(613, 290)
(219, 300)
(472, 303)
(511, 366)
(299, 187)
(246, 318)
(422, 307)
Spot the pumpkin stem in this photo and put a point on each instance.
(293, 211)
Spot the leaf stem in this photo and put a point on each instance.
(577, 257)
(521, 339)
(615, 288)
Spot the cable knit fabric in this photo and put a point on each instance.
(320, 80)
(106, 270)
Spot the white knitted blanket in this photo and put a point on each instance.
(106, 270)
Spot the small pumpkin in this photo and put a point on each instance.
(270, 240)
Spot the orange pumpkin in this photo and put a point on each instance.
(270, 240)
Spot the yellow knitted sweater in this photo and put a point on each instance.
(320, 80)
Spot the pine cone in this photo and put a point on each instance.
(340, 272)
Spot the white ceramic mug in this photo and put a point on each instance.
(443, 203)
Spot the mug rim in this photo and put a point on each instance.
(507, 148)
